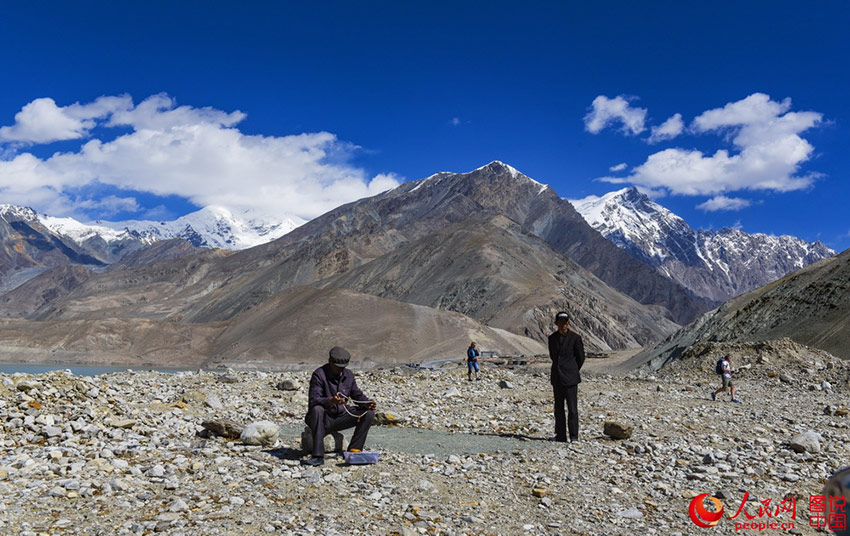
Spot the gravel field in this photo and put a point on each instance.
(127, 453)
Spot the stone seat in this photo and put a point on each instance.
(334, 441)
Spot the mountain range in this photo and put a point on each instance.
(716, 265)
(481, 251)
(32, 242)
(410, 274)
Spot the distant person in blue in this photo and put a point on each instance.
(566, 350)
(472, 361)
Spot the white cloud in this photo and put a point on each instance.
(667, 130)
(757, 108)
(769, 153)
(42, 121)
(721, 202)
(619, 167)
(196, 153)
(109, 205)
(455, 121)
(606, 112)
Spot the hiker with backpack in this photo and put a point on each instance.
(472, 361)
(723, 367)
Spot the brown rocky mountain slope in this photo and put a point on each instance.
(295, 325)
(810, 306)
(486, 268)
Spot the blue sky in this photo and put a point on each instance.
(148, 110)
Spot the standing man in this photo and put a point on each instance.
(726, 371)
(472, 361)
(567, 353)
(332, 387)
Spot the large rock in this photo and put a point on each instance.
(333, 442)
(806, 442)
(288, 385)
(618, 430)
(224, 428)
(383, 418)
(263, 433)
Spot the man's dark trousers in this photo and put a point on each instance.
(568, 394)
(322, 424)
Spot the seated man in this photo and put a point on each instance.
(332, 388)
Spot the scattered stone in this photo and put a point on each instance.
(198, 397)
(723, 495)
(288, 385)
(224, 428)
(95, 478)
(228, 378)
(27, 386)
(178, 505)
(505, 384)
(386, 419)
(51, 431)
(617, 430)
(786, 378)
(263, 433)
(806, 442)
(122, 423)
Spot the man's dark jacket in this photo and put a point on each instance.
(567, 355)
(323, 386)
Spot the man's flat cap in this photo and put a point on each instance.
(339, 356)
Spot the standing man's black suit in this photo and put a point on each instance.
(566, 350)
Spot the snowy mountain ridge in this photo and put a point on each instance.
(213, 226)
(715, 264)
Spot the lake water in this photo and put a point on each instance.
(77, 370)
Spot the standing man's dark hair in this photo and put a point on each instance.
(566, 350)
(332, 388)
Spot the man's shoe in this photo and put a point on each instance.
(315, 461)
(713, 396)
(735, 400)
(573, 439)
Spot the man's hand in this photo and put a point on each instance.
(337, 399)
(372, 405)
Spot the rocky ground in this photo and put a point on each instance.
(126, 453)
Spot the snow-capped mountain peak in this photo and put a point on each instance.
(17, 212)
(714, 264)
(497, 167)
(212, 226)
